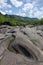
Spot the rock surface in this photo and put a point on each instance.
(21, 45)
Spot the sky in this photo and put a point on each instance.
(29, 8)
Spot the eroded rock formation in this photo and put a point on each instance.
(21, 45)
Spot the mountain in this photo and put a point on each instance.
(17, 20)
(16, 17)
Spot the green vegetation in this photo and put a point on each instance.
(19, 20)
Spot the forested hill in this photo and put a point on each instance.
(19, 20)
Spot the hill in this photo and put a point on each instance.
(17, 20)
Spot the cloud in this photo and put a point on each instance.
(0, 6)
(36, 13)
(41, 8)
(32, 9)
(2, 12)
(4, 4)
(27, 7)
(21, 13)
(16, 3)
(3, 1)
(8, 11)
(8, 5)
(28, 1)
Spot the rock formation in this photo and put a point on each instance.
(21, 45)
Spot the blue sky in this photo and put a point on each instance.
(29, 8)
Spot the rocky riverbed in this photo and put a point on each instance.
(21, 45)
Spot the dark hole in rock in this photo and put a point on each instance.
(13, 36)
(9, 28)
(15, 48)
(23, 32)
(25, 51)
(40, 34)
(22, 50)
(13, 32)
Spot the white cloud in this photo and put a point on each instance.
(8, 5)
(32, 10)
(41, 8)
(3, 12)
(4, 4)
(27, 7)
(21, 14)
(8, 11)
(36, 13)
(28, 1)
(0, 6)
(16, 3)
(3, 1)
